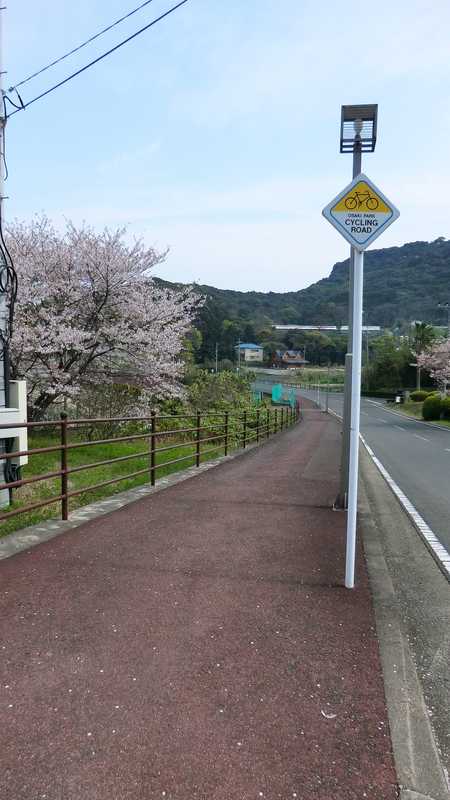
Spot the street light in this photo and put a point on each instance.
(359, 128)
(446, 306)
(358, 135)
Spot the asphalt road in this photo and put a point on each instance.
(416, 455)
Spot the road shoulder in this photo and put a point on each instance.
(412, 607)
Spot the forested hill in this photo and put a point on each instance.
(400, 284)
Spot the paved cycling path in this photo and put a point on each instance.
(198, 644)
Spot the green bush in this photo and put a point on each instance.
(445, 406)
(419, 395)
(432, 407)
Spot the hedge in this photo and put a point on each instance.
(445, 406)
(419, 395)
(432, 407)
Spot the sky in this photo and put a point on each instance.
(216, 132)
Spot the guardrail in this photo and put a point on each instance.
(229, 431)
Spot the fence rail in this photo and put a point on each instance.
(229, 431)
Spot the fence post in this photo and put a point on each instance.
(197, 450)
(152, 449)
(276, 420)
(226, 434)
(257, 426)
(244, 432)
(268, 423)
(64, 480)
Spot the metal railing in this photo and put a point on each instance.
(229, 431)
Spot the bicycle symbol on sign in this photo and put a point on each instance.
(360, 199)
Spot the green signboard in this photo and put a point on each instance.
(277, 393)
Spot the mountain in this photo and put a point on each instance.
(400, 284)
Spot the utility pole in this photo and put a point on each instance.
(239, 355)
(217, 356)
(328, 389)
(4, 281)
(4, 383)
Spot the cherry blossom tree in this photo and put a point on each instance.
(436, 361)
(88, 312)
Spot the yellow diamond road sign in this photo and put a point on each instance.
(361, 212)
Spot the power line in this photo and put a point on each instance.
(80, 46)
(100, 58)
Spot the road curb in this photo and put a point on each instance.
(437, 550)
(407, 794)
(420, 772)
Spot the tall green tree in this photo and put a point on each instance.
(389, 368)
(423, 336)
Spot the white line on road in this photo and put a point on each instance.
(365, 413)
(399, 427)
(439, 552)
(380, 419)
(424, 439)
(412, 419)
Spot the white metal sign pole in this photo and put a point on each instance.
(354, 419)
(361, 212)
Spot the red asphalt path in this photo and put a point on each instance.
(198, 644)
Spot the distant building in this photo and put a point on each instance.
(289, 358)
(250, 352)
(337, 328)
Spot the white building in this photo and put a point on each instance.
(250, 352)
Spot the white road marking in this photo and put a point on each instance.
(438, 551)
(412, 419)
(380, 419)
(399, 427)
(424, 439)
(365, 413)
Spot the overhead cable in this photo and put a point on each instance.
(99, 58)
(79, 47)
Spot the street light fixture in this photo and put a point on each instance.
(359, 128)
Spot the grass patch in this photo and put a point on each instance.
(411, 409)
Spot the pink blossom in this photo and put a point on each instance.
(88, 310)
(436, 361)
